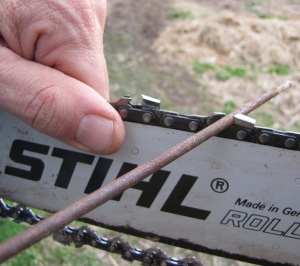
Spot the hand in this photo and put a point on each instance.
(53, 72)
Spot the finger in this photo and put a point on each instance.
(86, 66)
(101, 6)
(76, 48)
(58, 105)
(66, 35)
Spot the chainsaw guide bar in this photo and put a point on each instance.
(236, 195)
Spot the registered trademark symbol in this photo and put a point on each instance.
(219, 185)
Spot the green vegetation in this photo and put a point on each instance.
(295, 128)
(46, 252)
(251, 6)
(263, 15)
(229, 107)
(268, 16)
(115, 43)
(30, 256)
(281, 70)
(135, 78)
(254, 3)
(181, 14)
(222, 73)
(265, 119)
(236, 72)
(200, 68)
(131, 78)
(227, 72)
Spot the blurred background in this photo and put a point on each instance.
(197, 57)
(201, 56)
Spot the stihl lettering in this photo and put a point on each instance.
(261, 223)
(149, 189)
(28, 154)
(98, 175)
(70, 160)
(248, 204)
(179, 193)
(126, 167)
(36, 166)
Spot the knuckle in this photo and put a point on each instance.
(44, 109)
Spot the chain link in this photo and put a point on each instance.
(86, 236)
(149, 112)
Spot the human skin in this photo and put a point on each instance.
(53, 73)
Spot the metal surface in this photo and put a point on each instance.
(109, 191)
(255, 172)
(244, 121)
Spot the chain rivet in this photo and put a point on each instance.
(289, 143)
(28, 220)
(147, 261)
(94, 243)
(193, 125)
(168, 121)
(241, 134)
(147, 117)
(112, 249)
(264, 138)
(78, 238)
(127, 254)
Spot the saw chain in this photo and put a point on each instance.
(86, 236)
(149, 113)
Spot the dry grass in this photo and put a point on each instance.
(230, 39)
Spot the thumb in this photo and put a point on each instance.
(58, 105)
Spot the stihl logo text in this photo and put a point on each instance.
(31, 167)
